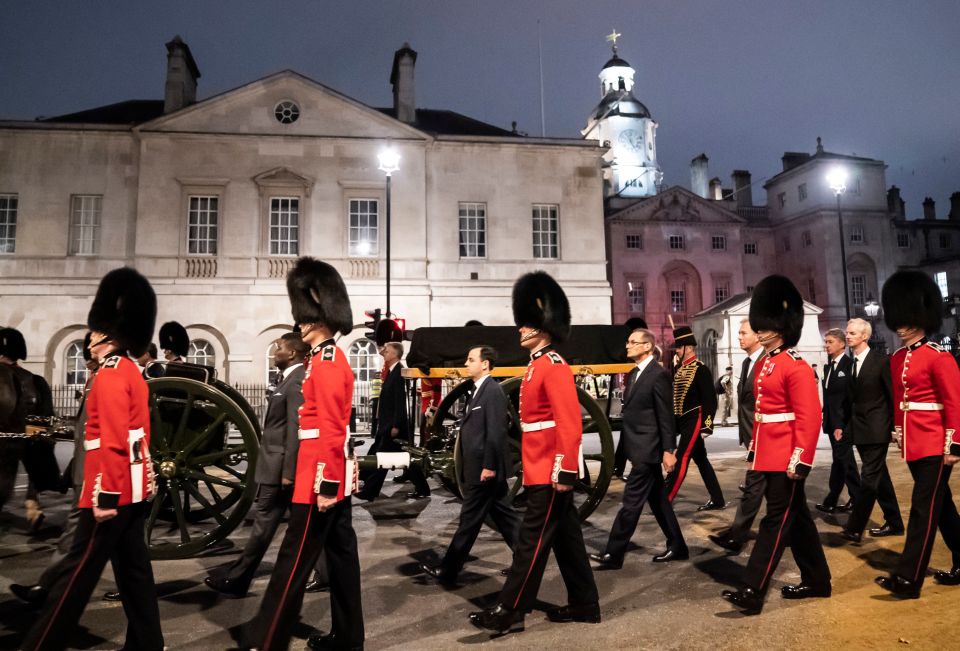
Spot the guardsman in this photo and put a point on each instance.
(320, 516)
(694, 405)
(926, 422)
(786, 430)
(174, 342)
(551, 456)
(118, 480)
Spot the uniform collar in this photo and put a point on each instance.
(917, 343)
(689, 360)
(776, 351)
(541, 352)
(323, 344)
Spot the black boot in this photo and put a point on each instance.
(900, 587)
(499, 619)
(943, 578)
(748, 600)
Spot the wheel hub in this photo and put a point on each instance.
(168, 469)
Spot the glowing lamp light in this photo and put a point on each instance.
(837, 180)
(389, 160)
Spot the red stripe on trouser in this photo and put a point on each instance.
(63, 597)
(776, 543)
(685, 460)
(283, 597)
(536, 552)
(927, 539)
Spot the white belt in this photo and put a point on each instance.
(308, 434)
(536, 427)
(775, 418)
(921, 406)
(91, 444)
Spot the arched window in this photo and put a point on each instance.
(75, 369)
(365, 360)
(201, 352)
(272, 375)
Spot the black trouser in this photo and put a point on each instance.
(931, 507)
(57, 563)
(488, 497)
(644, 486)
(11, 450)
(843, 471)
(692, 447)
(755, 484)
(309, 532)
(620, 457)
(94, 544)
(875, 486)
(550, 522)
(373, 484)
(787, 522)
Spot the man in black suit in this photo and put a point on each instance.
(650, 443)
(836, 413)
(393, 427)
(870, 424)
(276, 466)
(754, 483)
(483, 446)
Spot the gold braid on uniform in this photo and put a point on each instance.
(681, 385)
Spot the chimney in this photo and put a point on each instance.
(955, 206)
(895, 205)
(401, 77)
(716, 189)
(182, 75)
(929, 208)
(742, 190)
(793, 159)
(699, 176)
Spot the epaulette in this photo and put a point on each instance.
(112, 362)
(555, 358)
(937, 347)
(794, 354)
(328, 354)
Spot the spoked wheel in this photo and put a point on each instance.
(204, 443)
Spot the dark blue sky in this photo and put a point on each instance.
(743, 81)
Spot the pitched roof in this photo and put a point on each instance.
(132, 111)
(450, 123)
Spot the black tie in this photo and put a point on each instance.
(829, 372)
(856, 360)
(744, 372)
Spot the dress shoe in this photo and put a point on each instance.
(360, 495)
(498, 619)
(31, 594)
(111, 596)
(226, 587)
(804, 591)
(671, 555)
(748, 600)
(727, 543)
(316, 585)
(845, 508)
(826, 508)
(900, 587)
(943, 578)
(607, 561)
(505, 571)
(437, 572)
(886, 530)
(401, 478)
(589, 613)
(742, 487)
(852, 536)
(330, 642)
(417, 495)
(711, 506)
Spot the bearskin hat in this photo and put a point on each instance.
(912, 298)
(777, 305)
(318, 295)
(174, 337)
(12, 344)
(683, 336)
(86, 347)
(634, 323)
(539, 302)
(125, 308)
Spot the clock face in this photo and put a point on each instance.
(631, 139)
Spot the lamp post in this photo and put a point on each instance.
(837, 180)
(389, 163)
(872, 308)
(953, 308)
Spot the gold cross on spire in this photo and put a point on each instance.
(612, 38)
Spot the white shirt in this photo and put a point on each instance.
(478, 382)
(754, 356)
(644, 364)
(287, 371)
(860, 357)
(392, 366)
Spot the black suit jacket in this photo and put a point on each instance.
(280, 443)
(747, 403)
(648, 423)
(483, 433)
(392, 408)
(836, 406)
(871, 401)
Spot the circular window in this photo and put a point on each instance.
(286, 112)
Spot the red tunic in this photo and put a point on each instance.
(550, 418)
(788, 414)
(324, 422)
(117, 469)
(926, 401)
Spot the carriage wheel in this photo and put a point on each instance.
(204, 445)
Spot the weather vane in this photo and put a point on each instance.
(612, 38)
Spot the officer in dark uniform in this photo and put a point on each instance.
(118, 475)
(551, 454)
(926, 422)
(320, 516)
(174, 341)
(786, 430)
(694, 405)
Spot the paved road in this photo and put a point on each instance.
(676, 606)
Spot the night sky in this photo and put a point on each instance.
(742, 81)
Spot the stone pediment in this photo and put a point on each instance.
(676, 204)
(281, 177)
(252, 109)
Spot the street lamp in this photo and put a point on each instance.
(389, 163)
(837, 180)
(872, 309)
(953, 308)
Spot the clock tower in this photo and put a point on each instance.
(623, 124)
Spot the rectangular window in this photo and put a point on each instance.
(284, 226)
(782, 199)
(786, 243)
(812, 290)
(676, 242)
(721, 291)
(678, 301)
(856, 234)
(941, 278)
(858, 289)
(546, 231)
(8, 222)
(85, 224)
(718, 242)
(807, 240)
(473, 230)
(944, 240)
(903, 239)
(634, 241)
(364, 237)
(636, 299)
(203, 219)
(802, 191)
(750, 248)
